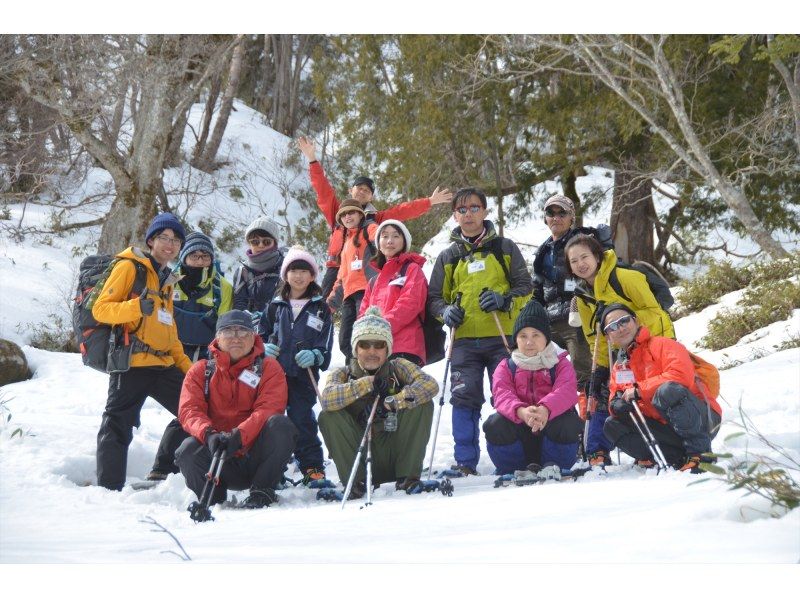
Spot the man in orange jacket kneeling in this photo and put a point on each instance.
(235, 402)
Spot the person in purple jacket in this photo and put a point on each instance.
(535, 393)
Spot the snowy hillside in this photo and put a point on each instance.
(50, 511)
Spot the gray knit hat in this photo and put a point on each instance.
(265, 225)
(371, 326)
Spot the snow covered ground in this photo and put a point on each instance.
(50, 511)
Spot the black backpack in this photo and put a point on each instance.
(104, 347)
(657, 283)
(432, 328)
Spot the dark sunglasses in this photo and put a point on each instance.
(265, 241)
(555, 213)
(465, 209)
(371, 344)
(617, 324)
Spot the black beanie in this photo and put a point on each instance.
(535, 316)
(613, 307)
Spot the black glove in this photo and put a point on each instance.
(381, 387)
(597, 387)
(234, 443)
(453, 316)
(216, 441)
(492, 301)
(620, 406)
(146, 305)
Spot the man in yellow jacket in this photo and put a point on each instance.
(157, 360)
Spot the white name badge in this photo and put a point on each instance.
(314, 322)
(250, 378)
(569, 285)
(355, 265)
(164, 317)
(624, 377)
(398, 282)
(176, 295)
(476, 266)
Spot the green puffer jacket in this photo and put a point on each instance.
(462, 268)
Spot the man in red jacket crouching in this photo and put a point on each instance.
(235, 401)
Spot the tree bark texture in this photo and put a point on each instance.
(632, 215)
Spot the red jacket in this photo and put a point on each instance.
(655, 360)
(232, 403)
(329, 204)
(403, 305)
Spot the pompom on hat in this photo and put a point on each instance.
(372, 326)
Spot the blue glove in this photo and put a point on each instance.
(493, 301)
(453, 316)
(271, 350)
(306, 358)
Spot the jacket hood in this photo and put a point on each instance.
(402, 259)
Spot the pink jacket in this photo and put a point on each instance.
(533, 387)
(402, 303)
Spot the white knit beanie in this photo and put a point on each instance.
(298, 253)
(371, 327)
(399, 226)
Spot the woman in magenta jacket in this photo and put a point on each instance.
(400, 290)
(535, 393)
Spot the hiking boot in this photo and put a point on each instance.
(258, 499)
(463, 471)
(599, 459)
(407, 484)
(156, 476)
(358, 490)
(313, 474)
(644, 463)
(692, 464)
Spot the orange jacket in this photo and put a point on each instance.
(655, 360)
(329, 204)
(349, 278)
(112, 306)
(232, 403)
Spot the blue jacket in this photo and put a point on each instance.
(313, 329)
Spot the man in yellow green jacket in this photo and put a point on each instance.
(157, 360)
(489, 275)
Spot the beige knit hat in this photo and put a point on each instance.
(371, 326)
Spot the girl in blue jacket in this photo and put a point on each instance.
(298, 331)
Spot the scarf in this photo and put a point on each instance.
(541, 361)
(265, 261)
(193, 277)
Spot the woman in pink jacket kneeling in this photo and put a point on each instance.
(400, 290)
(534, 392)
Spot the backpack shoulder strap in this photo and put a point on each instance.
(613, 280)
(512, 367)
(497, 251)
(216, 292)
(211, 366)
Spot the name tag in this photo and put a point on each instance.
(398, 282)
(355, 265)
(625, 377)
(250, 378)
(314, 322)
(569, 285)
(476, 266)
(176, 295)
(164, 317)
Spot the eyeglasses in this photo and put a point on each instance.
(555, 213)
(617, 324)
(263, 241)
(170, 240)
(200, 256)
(464, 209)
(235, 331)
(371, 344)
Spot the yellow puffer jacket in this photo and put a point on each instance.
(643, 302)
(112, 306)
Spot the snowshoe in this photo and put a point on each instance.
(259, 498)
(145, 485)
(314, 478)
(458, 471)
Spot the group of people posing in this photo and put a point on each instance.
(239, 364)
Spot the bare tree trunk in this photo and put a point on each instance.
(207, 159)
(111, 134)
(632, 215)
(792, 86)
(265, 101)
(568, 181)
(208, 113)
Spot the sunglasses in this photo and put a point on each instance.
(235, 332)
(617, 324)
(371, 344)
(555, 213)
(263, 241)
(465, 209)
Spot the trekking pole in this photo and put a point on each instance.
(647, 436)
(457, 303)
(499, 327)
(360, 452)
(368, 462)
(200, 511)
(314, 383)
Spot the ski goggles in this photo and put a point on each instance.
(371, 344)
(617, 324)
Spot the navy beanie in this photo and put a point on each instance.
(535, 316)
(613, 307)
(162, 222)
(235, 317)
(196, 242)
